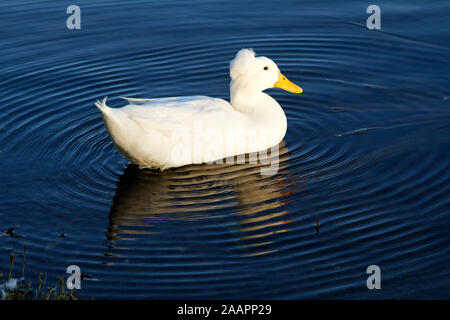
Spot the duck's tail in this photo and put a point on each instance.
(102, 106)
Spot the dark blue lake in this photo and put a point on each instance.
(366, 154)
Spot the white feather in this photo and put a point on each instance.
(176, 131)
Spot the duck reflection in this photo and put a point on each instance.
(256, 202)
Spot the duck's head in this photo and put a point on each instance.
(259, 73)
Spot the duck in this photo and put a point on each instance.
(172, 132)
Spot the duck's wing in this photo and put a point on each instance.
(179, 113)
(172, 101)
(136, 101)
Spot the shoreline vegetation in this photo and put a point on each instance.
(12, 288)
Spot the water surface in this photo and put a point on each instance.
(366, 153)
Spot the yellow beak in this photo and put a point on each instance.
(285, 84)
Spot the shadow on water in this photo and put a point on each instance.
(256, 202)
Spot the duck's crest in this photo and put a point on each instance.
(242, 64)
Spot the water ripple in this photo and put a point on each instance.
(225, 230)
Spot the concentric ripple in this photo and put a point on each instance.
(363, 173)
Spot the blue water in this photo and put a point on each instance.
(367, 151)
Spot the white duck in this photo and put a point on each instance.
(172, 132)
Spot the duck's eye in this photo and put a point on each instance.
(266, 68)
